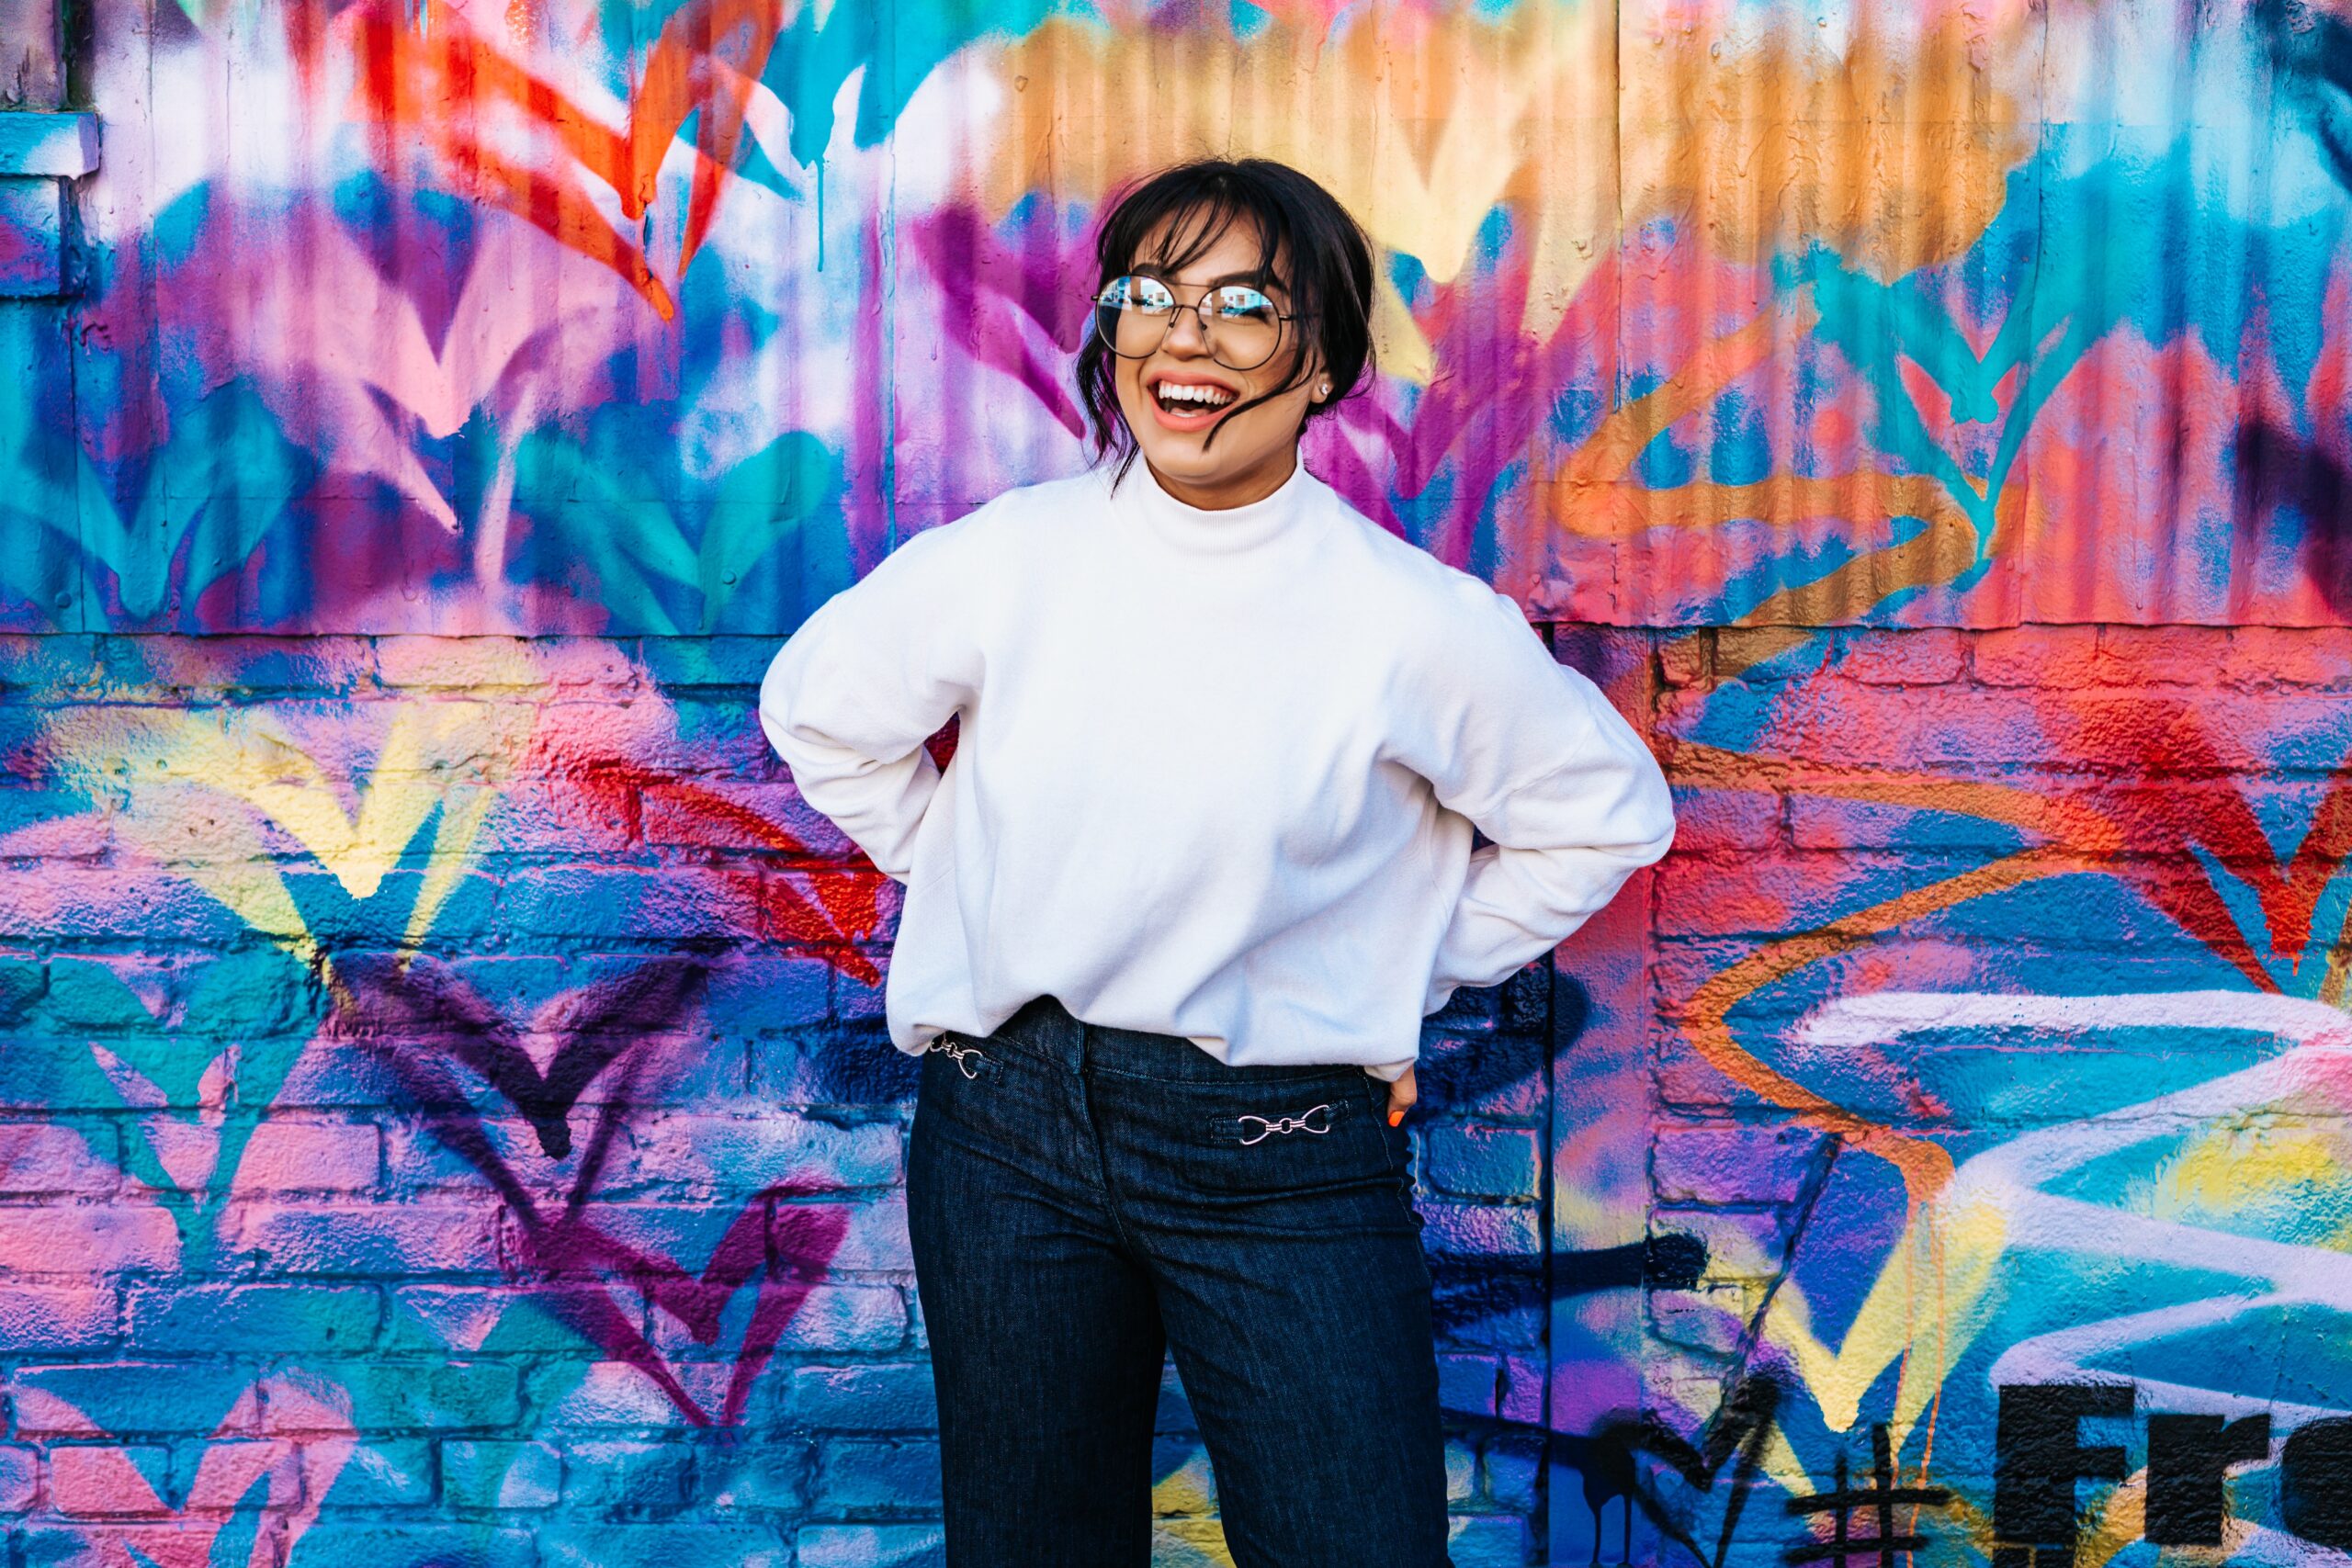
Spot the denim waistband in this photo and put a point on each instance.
(1045, 1029)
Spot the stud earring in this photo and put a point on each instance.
(1325, 391)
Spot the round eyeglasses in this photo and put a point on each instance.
(1239, 325)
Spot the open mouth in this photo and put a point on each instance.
(1190, 402)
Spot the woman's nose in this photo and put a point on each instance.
(1188, 321)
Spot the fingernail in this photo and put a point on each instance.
(1394, 1117)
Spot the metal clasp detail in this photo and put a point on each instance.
(1302, 1122)
(962, 1055)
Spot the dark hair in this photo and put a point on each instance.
(1323, 258)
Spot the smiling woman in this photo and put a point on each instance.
(1230, 308)
(1175, 908)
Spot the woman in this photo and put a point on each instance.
(1202, 862)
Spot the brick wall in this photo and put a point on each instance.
(571, 1233)
(448, 1117)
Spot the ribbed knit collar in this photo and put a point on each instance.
(1225, 531)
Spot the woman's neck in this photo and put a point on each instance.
(1252, 484)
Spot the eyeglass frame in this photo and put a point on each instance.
(1209, 333)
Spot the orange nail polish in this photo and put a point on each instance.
(1394, 1117)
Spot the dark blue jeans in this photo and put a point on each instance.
(1082, 1199)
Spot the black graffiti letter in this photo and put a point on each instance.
(2186, 1457)
(2042, 1457)
(2315, 1482)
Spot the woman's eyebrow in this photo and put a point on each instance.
(1255, 275)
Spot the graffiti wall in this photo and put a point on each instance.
(444, 1114)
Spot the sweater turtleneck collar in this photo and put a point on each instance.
(1223, 531)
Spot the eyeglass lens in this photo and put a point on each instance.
(1134, 314)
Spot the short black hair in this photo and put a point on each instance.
(1304, 237)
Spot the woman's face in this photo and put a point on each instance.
(1256, 449)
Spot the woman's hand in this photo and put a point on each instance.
(1401, 1096)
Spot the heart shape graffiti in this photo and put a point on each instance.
(430, 1028)
(273, 1487)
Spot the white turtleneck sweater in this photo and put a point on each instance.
(1216, 771)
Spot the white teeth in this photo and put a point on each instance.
(1180, 392)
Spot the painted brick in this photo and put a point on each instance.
(854, 1000)
(283, 1319)
(1467, 1383)
(1484, 1162)
(1481, 1229)
(648, 1477)
(607, 1395)
(1522, 1396)
(869, 1318)
(68, 1155)
(680, 662)
(1732, 1164)
(44, 1319)
(1488, 1541)
(48, 1545)
(100, 1240)
(2286, 656)
(877, 1477)
(724, 814)
(587, 1544)
(760, 1477)
(569, 902)
(1711, 1318)
(1187, 1486)
(887, 1397)
(1766, 894)
(2059, 657)
(92, 1480)
(486, 665)
(423, 1395)
(1688, 660)
(19, 1478)
(874, 1239)
(1189, 1540)
(362, 1239)
(394, 1473)
(1765, 653)
(1742, 1246)
(332, 1543)
(286, 1156)
(215, 1477)
(1824, 822)
(2161, 656)
(497, 1474)
(871, 1546)
(1717, 819)
(751, 1151)
(126, 1398)
(1901, 657)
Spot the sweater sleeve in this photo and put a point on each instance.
(850, 698)
(1529, 751)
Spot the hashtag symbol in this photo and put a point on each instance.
(1842, 1502)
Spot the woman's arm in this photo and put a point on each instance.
(1532, 754)
(849, 700)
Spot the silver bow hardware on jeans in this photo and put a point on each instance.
(963, 1055)
(1302, 1122)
